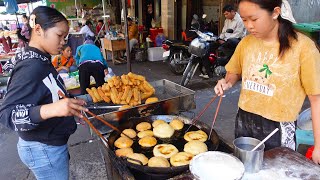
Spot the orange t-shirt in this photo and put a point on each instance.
(60, 60)
(275, 87)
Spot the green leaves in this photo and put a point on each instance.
(266, 69)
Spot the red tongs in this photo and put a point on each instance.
(202, 112)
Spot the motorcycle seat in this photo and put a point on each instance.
(179, 44)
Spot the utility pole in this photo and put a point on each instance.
(220, 17)
(125, 9)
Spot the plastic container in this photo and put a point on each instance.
(216, 165)
(155, 54)
(310, 29)
(252, 160)
(304, 121)
(309, 152)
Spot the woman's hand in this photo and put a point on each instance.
(316, 155)
(315, 116)
(61, 68)
(62, 108)
(221, 41)
(65, 68)
(222, 86)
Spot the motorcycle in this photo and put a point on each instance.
(176, 55)
(201, 48)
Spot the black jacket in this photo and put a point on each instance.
(35, 82)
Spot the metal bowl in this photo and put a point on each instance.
(304, 121)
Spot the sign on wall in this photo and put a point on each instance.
(68, 7)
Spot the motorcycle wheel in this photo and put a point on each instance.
(177, 69)
(188, 74)
(220, 71)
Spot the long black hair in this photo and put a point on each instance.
(285, 31)
(47, 17)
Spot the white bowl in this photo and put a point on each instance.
(213, 165)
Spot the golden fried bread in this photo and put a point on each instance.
(163, 131)
(181, 159)
(157, 122)
(165, 150)
(158, 162)
(151, 100)
(176, 124)
(148, 141)
(124, 152)
(195, 147)
(196, 135)
(129, 132)
(123, 142)
(143, 126)
(143, 134)
(138, 156)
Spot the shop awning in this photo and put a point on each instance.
(19, 1)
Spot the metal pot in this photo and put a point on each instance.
(304, 121)
(164, 173)
(252, 160)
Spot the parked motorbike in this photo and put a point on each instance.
(201, 48)
(176, 55)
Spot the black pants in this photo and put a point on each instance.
(90, 69)
(252, 125)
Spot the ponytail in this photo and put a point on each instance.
(286, 33)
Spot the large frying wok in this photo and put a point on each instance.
(212, 144)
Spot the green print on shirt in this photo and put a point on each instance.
(266, 68)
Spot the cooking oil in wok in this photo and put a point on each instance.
(177, 140)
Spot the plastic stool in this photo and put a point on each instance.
(304, 137)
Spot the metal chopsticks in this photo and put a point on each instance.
(215, 116)
(202, 112)
(100, 119)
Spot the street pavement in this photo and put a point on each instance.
(87, 160)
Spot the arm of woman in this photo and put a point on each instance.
(62, 108)
(23, 108)
(226, 83)
(78, 54)
(315, 115)
(62, 67)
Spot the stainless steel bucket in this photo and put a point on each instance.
(252, 160)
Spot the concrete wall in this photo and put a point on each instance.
(305, 10)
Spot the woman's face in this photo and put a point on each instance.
(258, 21)
(67, 52)
(24, 20)
(53, 38)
